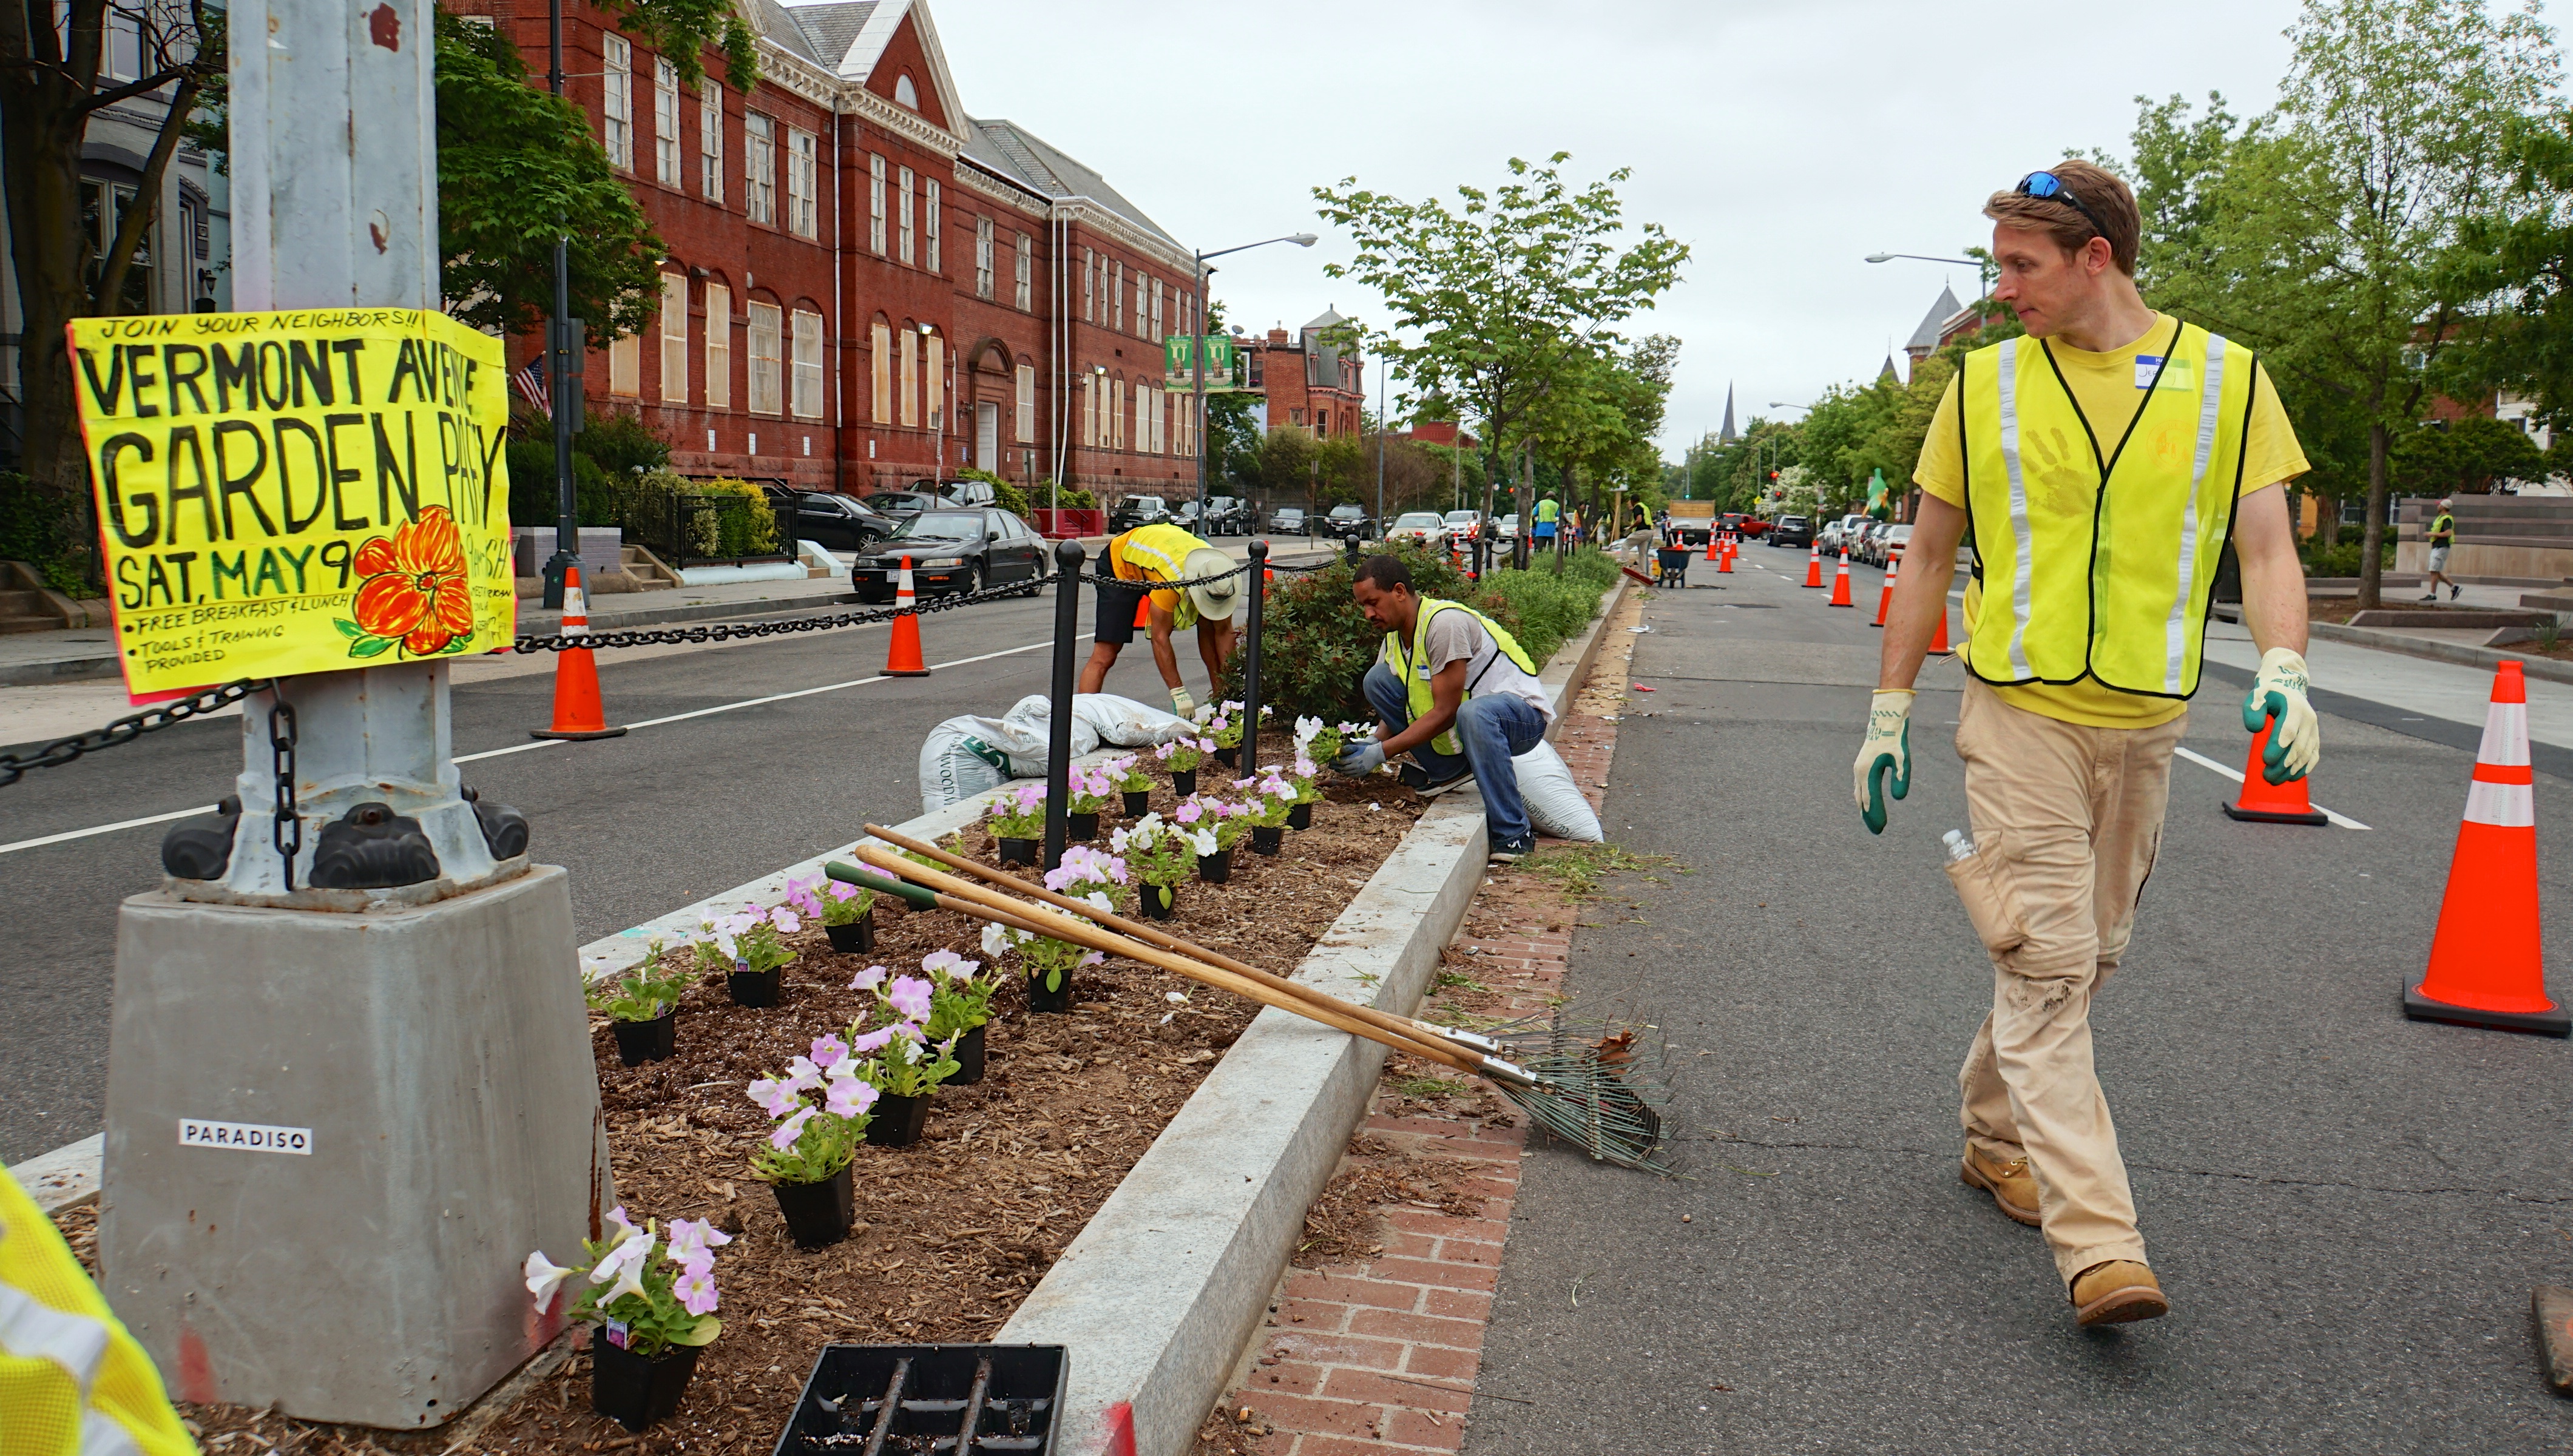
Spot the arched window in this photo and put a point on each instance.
(905, 93)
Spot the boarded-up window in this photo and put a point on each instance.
(719, 347)
(674, 337)
(880, 368)
(766, 321)
(1026, 413)
(808, 363)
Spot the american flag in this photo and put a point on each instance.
(532, 382)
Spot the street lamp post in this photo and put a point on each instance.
(1981, 275)
(1196, 350)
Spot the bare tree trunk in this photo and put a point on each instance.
(2370, 570)
(40, 146)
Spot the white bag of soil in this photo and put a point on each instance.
(1555, 806)
(966, 756)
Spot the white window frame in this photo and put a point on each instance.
(767, 323)
(982, 258)
(909, 379)
(666, 121)
(802, 212)
(934, 382)
(906, 220)
(1027, 276)
(674, 337)
(718, 347)
(880, 368)
(1117, 295)
(876, 204)
(937, 226)
(616, 99)
(1157, 311)
(710, 149)
(759, 167)
(806, 390)
(1025, 430)
(1089, 285)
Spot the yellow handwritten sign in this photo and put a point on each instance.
(296, 493)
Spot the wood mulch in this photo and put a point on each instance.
(952, 1232)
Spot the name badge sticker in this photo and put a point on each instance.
(2178, 375)
(245, 1136)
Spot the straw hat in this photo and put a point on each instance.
(1218, 602)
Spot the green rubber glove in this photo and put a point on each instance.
(2277, 698)
(1888, 749)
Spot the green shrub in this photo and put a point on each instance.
(595, 495)
(37, 528)
(2342, 561)
(620, 442)
(745, 526)
(1007, 497)
(1553, 609)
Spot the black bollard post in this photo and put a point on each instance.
(1067, 631)
(1258, 590)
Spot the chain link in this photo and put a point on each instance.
(130, 727)
(290, 824)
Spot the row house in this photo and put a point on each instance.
(865, 286)
(1308, 379)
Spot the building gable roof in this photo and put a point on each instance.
(1925, 339)
(1025, 158)
(849, 37)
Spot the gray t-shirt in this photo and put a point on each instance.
(1488, 670)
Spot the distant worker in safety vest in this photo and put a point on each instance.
(2108, 423)
(1544, 519)
(1153, 554)
(1454, 691)
(72, 1381)
(2443, 535)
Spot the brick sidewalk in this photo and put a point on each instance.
(1381, 1356)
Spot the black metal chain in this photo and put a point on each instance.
(290, 824)
(662, 637)
(130, 727)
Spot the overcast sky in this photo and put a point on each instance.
(1782, 142)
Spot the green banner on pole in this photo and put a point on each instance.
(1179, 363)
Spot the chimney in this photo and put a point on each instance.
(1278, 338)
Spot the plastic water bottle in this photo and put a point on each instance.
(1960, 847)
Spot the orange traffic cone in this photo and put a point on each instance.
(1724, 558)
(902, 654)
(1885, 599)
(578, 713)
(2488, 958)
(2264, 802)
(1814, 566)
(1841, 586)
(1143, 611)
(1939, 640)
(1711, 551)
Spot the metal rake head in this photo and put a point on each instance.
(1597, 1086)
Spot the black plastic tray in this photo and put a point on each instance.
(1013, 1394)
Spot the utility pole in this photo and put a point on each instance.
(566, 353)
(1381, 424)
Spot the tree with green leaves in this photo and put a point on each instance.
(1510, 295)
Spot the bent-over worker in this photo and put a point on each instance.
(1155, 553)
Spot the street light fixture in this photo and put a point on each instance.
(1975, 264)
(1196, 347)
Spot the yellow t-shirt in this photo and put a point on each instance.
(1157, 552)
(2103, 385)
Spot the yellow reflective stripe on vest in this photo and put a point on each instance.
(1411, 662)
(2025, 561)
(1157, 548)
(71, 1379)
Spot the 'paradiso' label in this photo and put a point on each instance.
(245, 1136)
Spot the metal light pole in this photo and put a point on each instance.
(1196, 349)
(564, 348)
(1981, 275)
(1381, 424)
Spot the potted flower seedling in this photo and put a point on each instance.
(651, 1318)
(643, 1006)
(1317, 740)
(1017, 820)
(1132, 782)
(1182, 757)
(1218, 819)
(1272, 800)
(1090, 790)
(960, 1006)
(746, 947)
(1308, 792)
(1047, 961)
(1223, 724)
(901, 1062)
(823, 1107)
(1161, 855)
(847, 912)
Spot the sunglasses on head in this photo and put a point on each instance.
(2046, 187)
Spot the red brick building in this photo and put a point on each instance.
(865, 286)
(1306, 381)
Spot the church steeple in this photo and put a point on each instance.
(1725, 436)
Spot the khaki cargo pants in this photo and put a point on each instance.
(2066, 821)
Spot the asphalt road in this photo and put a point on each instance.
(645, 823)
(2348, 1209)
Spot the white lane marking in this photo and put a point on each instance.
(28, 844)
(2201, 760)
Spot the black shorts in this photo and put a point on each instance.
(1115, 623)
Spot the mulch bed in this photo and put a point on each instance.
(953, 1232)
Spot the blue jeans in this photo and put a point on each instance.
(1492, 731)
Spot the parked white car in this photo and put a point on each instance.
(1424, 526)
(1462, 524)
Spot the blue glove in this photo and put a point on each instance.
(1362, 760)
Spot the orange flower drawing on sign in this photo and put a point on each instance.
(414, 590)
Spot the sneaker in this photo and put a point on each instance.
(2013, 1187)
(1418, 780)
(2433, 596)
(2118, 1293)
(1511, 851)
(2453, 589)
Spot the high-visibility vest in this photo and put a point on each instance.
(1414, 664)
(1547, 510)
(1154, 552)
(2443, 531)
(71, 1379)
(2076, 578)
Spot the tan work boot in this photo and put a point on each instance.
(2118, 1293)
(2013, 1187)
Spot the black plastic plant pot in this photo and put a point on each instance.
(1041, 999)
(961, 1399)
(652, 1041)
(1184, 782)
(1139, 801)
(633, 1391)
(969, 1058)
(1228, 757)
(1267, 838)
(1018, 851)
(1301, 817)
(1216, 868)
(1159, 901)
(756, 988)
(819, 1214)
(898, 1120)
(1082, 826)
(857, 935)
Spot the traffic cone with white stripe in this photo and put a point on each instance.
(578, 712)
(1724, 558)
(902, 654)
(2264, 802)
(2488, 956)
(1712, 552)
(1814, 566)
(1885, 599)
(1841, 586)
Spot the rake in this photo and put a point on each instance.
(1590, 1092)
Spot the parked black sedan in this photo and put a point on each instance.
(838, 522)
(1289, 520)
(951, 551)
(1792, 530)
(1348, 522)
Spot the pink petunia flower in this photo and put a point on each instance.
(869, 979)
(910, 996)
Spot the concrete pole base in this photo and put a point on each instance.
(333, 1137)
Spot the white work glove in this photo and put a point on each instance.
(1362, 760)
(2277, 698)
(1888, 747)
(1181, 703)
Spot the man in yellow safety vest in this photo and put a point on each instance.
(2443, 535)
(72, 1381)
(2109, 421)
(1154, 554)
